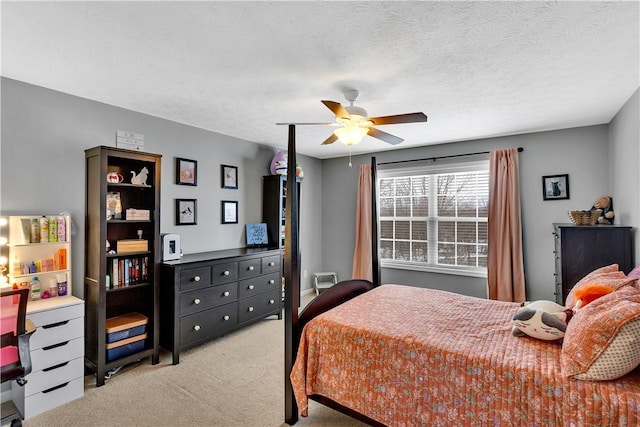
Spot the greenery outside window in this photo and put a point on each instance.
(434, 218)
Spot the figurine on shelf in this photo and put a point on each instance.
(279, 163)
(141, 178)
(605, 205)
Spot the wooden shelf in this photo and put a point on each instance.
(143, 297)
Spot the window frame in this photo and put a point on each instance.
(442, 167)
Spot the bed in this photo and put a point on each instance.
(453, 362)
(405, 356)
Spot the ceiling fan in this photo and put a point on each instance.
(355, 124)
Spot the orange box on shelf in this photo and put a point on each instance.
(62, 259)
(132, 245)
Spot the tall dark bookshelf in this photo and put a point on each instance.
(274, 202)
(102, 299)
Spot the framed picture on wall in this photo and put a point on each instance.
(186, 211)
(555, 187)
(186, 172)
(229, 212)
(229, 177)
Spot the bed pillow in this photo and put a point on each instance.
(608, 276)
(602, 340)
(635, 273)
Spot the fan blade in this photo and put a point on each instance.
(384, 136)
(400, 118)
(309, 124)
(332, 138)
(337, 109)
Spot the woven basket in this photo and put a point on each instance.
(585, 217)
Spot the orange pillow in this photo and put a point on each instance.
(602, 341)
(608, 276)
(590, 292)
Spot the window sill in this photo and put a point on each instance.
(457, 271)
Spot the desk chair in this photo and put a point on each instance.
(15, 358)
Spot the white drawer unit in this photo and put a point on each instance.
(57, 357)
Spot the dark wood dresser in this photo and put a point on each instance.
(580, 249)
(209, 294)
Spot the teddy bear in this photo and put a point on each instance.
(544, 320)
(605, 205)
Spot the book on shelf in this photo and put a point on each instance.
(129, 271)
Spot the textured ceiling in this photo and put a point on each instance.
(477, 69)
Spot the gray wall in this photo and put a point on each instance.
(45, 133)
(581, 152)
(624, 166)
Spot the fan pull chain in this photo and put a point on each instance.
(350, 156)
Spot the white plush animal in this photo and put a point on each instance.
(141, 178)
(544, 320)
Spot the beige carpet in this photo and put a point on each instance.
(236, 380)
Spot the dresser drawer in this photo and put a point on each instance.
(194, 314)
(204, 299)
(271, 264)
(257, 285)
(48, 317)
(54, 333)
(202, 326)
(52, 397)
(56, 354)
(258, 306)
(193, 278)
(55, 375)
(249, 268)
(225, 273)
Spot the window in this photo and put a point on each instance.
(434, 218)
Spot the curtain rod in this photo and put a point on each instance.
(520, 150)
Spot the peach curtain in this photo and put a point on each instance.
(505, 266)
(362, 268)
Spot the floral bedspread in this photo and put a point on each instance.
(407, 356)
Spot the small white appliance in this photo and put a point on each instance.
(171, 247)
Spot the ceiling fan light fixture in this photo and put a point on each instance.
(351, 135)
(356, 111)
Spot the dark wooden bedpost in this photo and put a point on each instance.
(291, 280)
(375, 255)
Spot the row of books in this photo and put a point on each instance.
(128, 271)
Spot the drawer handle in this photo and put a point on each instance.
(226, 317)
(226, 273)
(271, 282)
(226, 293)
(55, 325)
(250, 308)
(196, 279)
(51, 368)
(196, 301)
(196, 328)
(55, 388)
(271, 301)
(272, 264)
(60, 344)
(251, 287)
(251, 268)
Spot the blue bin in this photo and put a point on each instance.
(125, 347)
(125, 326)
